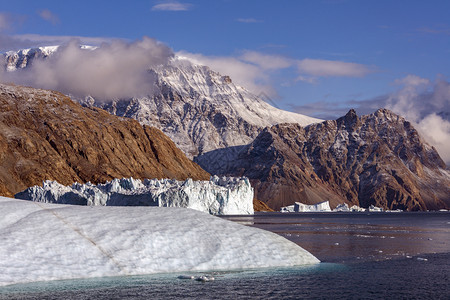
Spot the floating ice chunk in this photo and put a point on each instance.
(204, 278)
(186, 277)
(41, 241)
(289, 208)
(300, 207)
(218, 196)
(373, 208)
(344, 208)
(356, 208)
(422, 259)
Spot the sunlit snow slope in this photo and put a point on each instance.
(52, 241)
(201, 110)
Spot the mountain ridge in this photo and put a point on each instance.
(377, 159)
(46, 136)
(198, 108)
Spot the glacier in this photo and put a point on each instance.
(43, 241)
(218, 196)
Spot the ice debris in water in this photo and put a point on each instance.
(422, 259)
(325, 207)
(218, 196)
(41, 241)
(300, 207)
(345, 208)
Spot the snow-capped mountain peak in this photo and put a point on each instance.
(202, 110)
(199, 109)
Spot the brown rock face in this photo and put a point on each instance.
(46, 136)
(261, 206)
(376, 159)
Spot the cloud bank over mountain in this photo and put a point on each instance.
(111, 71)
(257, 70)
(427, 104)
(421, 101)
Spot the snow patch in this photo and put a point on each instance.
(218, 196)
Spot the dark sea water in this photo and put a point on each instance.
(364, 256)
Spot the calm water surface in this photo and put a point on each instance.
(353, 237)
(365, 256)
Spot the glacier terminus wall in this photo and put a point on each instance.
(218, 196)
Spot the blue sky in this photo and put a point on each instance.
(317, 57)
(392, 39)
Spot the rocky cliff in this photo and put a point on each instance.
(200, 109)
(376, 159)
(44, 135)
(24, 58)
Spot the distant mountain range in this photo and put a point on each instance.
(377, 159)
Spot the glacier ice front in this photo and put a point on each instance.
(218, 196)
(42, 241)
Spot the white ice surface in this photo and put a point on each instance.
(218, 196)
(344, 208)
(300, 207)
(41, 241)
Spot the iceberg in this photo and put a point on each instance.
(42, 241)
(218, 196)
(344, 208)
(300, 207)
(373, 208)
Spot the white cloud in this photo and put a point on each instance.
(331, 68)
(5, 21)
(442, 30)
(47, 15)
(14, 42)
(424, 104)
(412, 81)
(37, 39)
(408, 100)
(248, 20)
(436, 131)
(267, 61)
(255, 70)
(246, 74)
(111, 71)
(172, 6)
